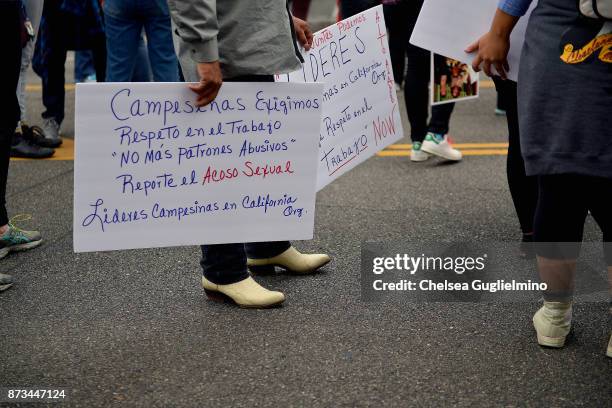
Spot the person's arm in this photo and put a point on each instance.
(303, 32)
(196, 25)
(493, 46)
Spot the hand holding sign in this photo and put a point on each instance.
(210, 82)
(152, 169)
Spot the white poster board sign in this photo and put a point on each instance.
(152, 170)
(360, 108)
(447, 27)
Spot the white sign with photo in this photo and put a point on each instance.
(360, 108)
(153, 170)
(447, 27)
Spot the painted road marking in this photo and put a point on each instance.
(468, 152)
(468, 149)
(457, 145)
(66, 150)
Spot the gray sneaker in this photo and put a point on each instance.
(6, 281)
(51, 131)
(15, 239)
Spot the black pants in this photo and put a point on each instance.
(53, 93)
(224, 264)
(400, 23)
(563, 203)
(10, 32)
(349, 8)
(523, 188)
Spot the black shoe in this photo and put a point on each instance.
(22, 147)
(37, 136)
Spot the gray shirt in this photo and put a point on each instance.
(248, 37)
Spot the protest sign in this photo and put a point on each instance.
(447, 27)
(452, 81)
(153, 170)
(360, 108)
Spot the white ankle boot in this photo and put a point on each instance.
(609, 352)
(552, 323)
(247, 293)
(292, 260)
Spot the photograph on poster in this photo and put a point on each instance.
(452, 80)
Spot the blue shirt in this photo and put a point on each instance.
(515, 8)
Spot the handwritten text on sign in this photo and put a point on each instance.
(360, 110)
(152, 169)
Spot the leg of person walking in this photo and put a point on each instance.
(523, 188)
(159, 42)
(10, 31)
(559, 222)
(34, 9)
(29, 141)
(226, 264)
(83, 66)
(142, 68)
(123, 34)
(600, 202)
(11, 238)
(416, 97)
(98, 52)
(416, 93)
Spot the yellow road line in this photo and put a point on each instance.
(401, 146)
(64, 152)
(38, 87)
(468, 152)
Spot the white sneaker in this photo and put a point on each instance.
(51, 130)
(417, 154)
(440, 147)
(552, 323)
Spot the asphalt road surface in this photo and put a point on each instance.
(134, 327)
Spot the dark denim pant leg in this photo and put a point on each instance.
(224, 264)
(83, 65)
(260, 250)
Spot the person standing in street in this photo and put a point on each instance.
(29, 141)
(428, 137)
(565, 137)
(14, 35)
(65, 25)
(213, 48)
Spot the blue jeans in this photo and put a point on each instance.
(83, 65)
(226, 263)
(125, 21)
